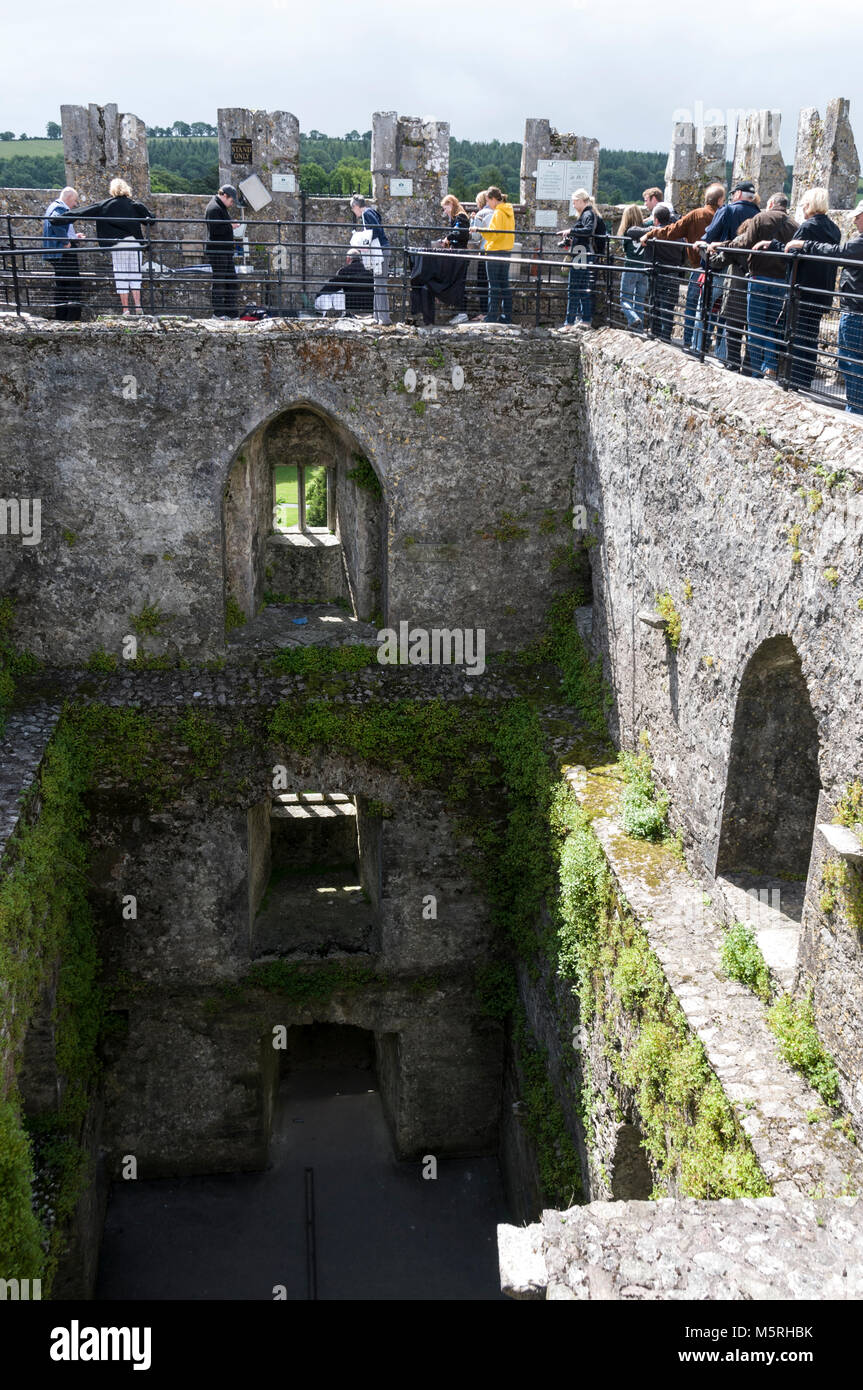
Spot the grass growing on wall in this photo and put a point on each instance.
(690, 1132)
(12, 662)
(45, 922)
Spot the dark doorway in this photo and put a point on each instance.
(771, 802)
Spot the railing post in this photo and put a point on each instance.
(539, 280)
(14, 261)
(651, 290)
(151, 283)
(405, 275)
(791, 312)
(706, 307)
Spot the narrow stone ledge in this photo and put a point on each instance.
(769, 1248)
(773, 1101)
(22, 748)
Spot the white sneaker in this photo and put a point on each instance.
(459, 318)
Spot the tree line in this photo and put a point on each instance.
(187, 162)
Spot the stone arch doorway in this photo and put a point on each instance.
(771, 801)
(304, 517)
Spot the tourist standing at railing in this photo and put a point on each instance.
(666, 258)
(499, 240)
(59, 240)
(691, 227)
(119, 226)
(814, 283)
(851, 303)
(633, 280)
(652, 198)
(371, 221)
(767, 291)
(580, 240)
(731, 286)
(219, 251)
(456, 237)
(478, 222)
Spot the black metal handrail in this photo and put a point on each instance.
(285, 264)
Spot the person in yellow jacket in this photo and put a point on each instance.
(499, 237)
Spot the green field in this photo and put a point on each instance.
(30, 149)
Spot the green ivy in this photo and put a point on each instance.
(742, 959)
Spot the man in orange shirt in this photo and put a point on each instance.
(690, 227)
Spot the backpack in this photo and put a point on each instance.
(600, 237)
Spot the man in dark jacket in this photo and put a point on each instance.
(666, 258)
(768, 282)
(219, 251)
(60, 240)
(724, 227)
(814, 283)
(851, 304)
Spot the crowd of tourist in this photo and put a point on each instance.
(738, 300)
(737, 261)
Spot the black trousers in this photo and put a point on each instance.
(482, 286)
(67, 287)
(224, 284)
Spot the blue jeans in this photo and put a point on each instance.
(851, 359)
(693, 294)
(764, 301)
(633, 290)
(499, 292)
(579, 301)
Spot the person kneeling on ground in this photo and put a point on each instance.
(355, 282)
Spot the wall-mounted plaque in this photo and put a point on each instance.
(579, 174)
(401, 188)
(550, 180)
(241, 151)
(284, 183)
(545, 217)
(255, 192)
(557, 179)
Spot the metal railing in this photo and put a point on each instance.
(755, 324)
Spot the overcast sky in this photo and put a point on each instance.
(618, 71)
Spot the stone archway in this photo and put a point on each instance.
(771, 803)
(332, 548)
(771, 793)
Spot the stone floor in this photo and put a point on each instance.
(775, 913)
(300, 625)
(383, 1232)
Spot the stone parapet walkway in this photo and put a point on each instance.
(790, 1129)
(757, 1248)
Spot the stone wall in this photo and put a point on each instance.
(132, 499)
(698, 486)
(188, 1082)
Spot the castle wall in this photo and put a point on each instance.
(129, 438)
(701, 481)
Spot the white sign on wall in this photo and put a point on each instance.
(557, 179)
(284, 183)
(545, 217)
(255, 192)
(401, 188)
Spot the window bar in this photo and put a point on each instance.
(301, 497)
(331, 500)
